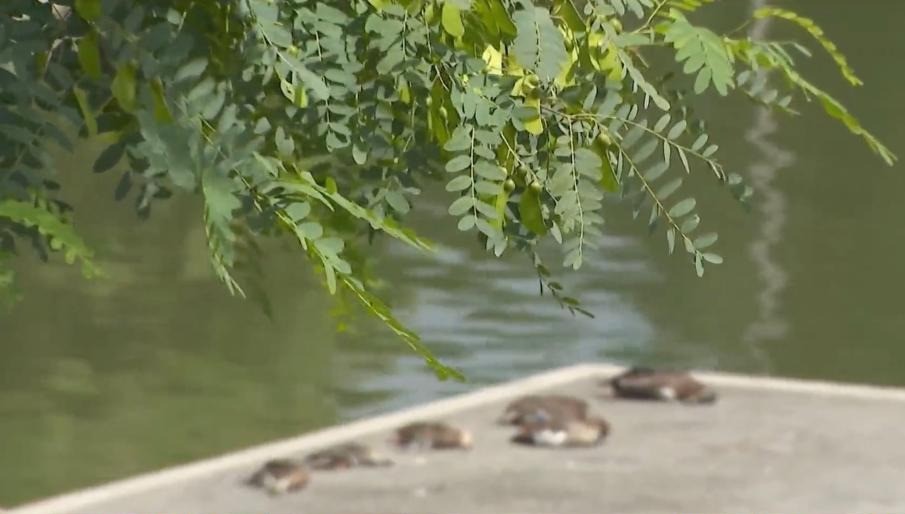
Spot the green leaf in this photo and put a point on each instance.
(285, 144)
(451, 19)
(684, 160)
(87, 113)
(461, 205)
(703, 52)
(123, 87)
(713, 258)
(313, 82)
(836, 110)
(379, 309)
(815, 31)
(466, 223)
(705, 240)
(690, 224)
(699, 142)
(158, 98)
(645, 86)
(490, 170)
(608, 180)
(682, 208)
(588, 164)
(59, 235)
(676, 130)
(459, 183)
(329, 275)
(530, 212)
(109, 157)
(458, 163)
(298, 210)
(89, 55)
(219, 195)
(397, 201)
(656, 171)
(662, 123)
(330, 245)
(501, 17)
(190, 70)
(311, 230)
(566, 10)
(90, 10)
(669, 188)
(539, 46)
(484, 187)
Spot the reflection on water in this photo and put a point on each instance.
(769, 324)
(157, 365)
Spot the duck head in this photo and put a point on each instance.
(279, 476)
(599, 428)
(705, 395)
(455, 438)
(426, 435)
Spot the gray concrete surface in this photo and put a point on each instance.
(766, 446)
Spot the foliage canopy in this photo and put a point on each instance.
(321, 120)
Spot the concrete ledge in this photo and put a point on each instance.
(89, 499)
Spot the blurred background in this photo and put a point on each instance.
(157, 364)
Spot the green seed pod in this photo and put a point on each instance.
(605, 139)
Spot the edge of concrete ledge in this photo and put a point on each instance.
(443, 407)
(795, 385)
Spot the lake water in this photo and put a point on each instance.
(157, 365)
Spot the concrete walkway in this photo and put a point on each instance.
(766, 446)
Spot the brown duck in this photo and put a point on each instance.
(641, 383)
(280, 476)
(537, 408)
(563, 432)
(345, 456)
(432, 435)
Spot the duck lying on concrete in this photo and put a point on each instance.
(345, 456)
(563, 432)
(541, 407)
(280, 476)
(432, 435)
(642, 383)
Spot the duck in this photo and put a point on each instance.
(643, 383)
(432, 435)
(280, 476)
(563, 432)
(531, 408)
(345, 456)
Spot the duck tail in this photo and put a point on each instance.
(706, 396)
